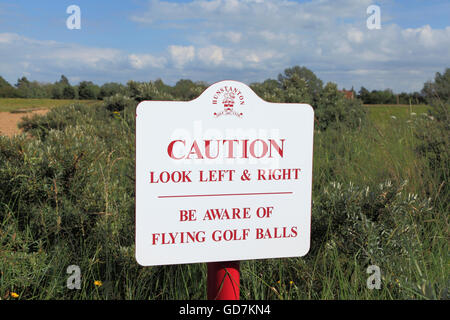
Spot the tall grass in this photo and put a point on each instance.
(67, 198)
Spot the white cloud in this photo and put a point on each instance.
(211, 55)
(426, 36)
(181, 55)
(46, 60)
(6, 38)
(142, 61)
(355, 35)
(330, 37)
(234, 37)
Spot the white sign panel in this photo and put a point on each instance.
(227, 176)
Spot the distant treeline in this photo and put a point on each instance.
(388, 97)
(87, 90)
(297, 84)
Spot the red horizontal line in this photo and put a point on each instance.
(224, 194)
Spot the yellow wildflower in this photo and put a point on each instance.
(14, 295)
(98, 283)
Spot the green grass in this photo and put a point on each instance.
(67, 197)
(14, 104)
(383, 113)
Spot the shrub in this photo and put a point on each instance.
(433, 132)
(60, 118)
(270, 90)
(118, 102)
(141, 91)
(333, 109)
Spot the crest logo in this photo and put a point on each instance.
(231, 99)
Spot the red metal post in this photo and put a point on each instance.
(223, 280)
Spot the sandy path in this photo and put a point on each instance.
(9, 121)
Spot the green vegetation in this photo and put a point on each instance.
(15, 104)
(382, 114)
(380, 197)
(389, 97)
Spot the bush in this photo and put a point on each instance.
(70, 190)
(186, 90)
(118, 102)
(333, 109)
(141, 91)
(433, 134)
(60, 118)
(270, 90)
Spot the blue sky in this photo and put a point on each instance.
(211, 40)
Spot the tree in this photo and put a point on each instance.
(364, 95)
(62, 89)
(57, 91)
(88, 90)
(68, 92)
(24, 89)
(22, 83)
(303, 79)
(110, 89)
(437, 95)
(4, 83)
(183, 89)
(6, 89)
(297, 91)
(64, 81)
(270, 90)
(439, 89)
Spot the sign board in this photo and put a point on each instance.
(227, 176)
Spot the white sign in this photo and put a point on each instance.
(227, 176)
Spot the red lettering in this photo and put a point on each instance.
(264, 146)
(216, 175)
(225, 214)
(231, 149)
(208, 149)
(187, 215)
(276, 233)
(195, 150)
(178, 237)
(175, 176)
(279, 149)
(170, 149)
(279, 174)
(230, 235)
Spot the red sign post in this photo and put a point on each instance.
(223, 280)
